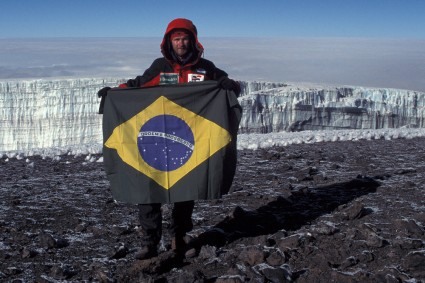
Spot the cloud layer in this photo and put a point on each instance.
(342, 61)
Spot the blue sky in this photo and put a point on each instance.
(240, 18)
(376, 43)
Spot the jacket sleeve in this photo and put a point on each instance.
(218, 75)
(149, 78)
(213, 73)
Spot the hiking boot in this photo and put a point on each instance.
(180, 244)
(146, 252)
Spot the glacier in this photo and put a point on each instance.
(269, 108)
(60, 113)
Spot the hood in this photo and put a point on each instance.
(186, 24)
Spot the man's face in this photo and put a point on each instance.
(181, 45)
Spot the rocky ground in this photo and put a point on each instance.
(351, 211)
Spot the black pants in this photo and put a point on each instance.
(150, 217)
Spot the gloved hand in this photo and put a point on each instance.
(229, 84)
(103, 92)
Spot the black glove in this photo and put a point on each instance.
(229, 84)
(102, 93)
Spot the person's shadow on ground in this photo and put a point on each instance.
(290, 214)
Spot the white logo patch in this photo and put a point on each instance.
(195, 78)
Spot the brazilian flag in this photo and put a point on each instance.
(170, 143)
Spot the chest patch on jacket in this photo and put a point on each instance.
(195, 78)
(168, 78)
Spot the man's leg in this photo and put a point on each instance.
(181, 223)
(151, 223)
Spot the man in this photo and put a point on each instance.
(181, 63)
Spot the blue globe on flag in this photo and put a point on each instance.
(165, 142)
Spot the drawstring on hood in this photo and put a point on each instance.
(166, 47)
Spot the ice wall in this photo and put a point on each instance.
(298, 108)
(44, 113)
(63, 112)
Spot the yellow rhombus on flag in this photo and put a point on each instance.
(208, 138)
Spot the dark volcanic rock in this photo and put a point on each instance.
(414, 263)
(326, 212)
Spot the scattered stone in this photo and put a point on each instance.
(414, 263)
(213, 237)
(276, 258)
(62, 272)
(102, 277)
(183, 276)
(355, 211)
(122, 230)
(325, 228)
(191, 253)
(252, 255)
(162, 263)
(46, 241)
(372, 240)
(294, 241)
(13, 271)
(405, 171)
(61, 243)
(366, 257)
(409, 243)
(207, 252)
(28, 253)
(276, 274)
(409, 226)
(97, 231)
(278, 221)
(348, 262)
(120, 252)
(82, 227)
(230, 279)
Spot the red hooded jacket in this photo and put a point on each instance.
(166, 70)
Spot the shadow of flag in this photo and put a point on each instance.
(170, 143)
